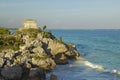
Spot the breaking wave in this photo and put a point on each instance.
(96, 66)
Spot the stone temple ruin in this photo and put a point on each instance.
(29, 23)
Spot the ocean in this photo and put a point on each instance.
(100, 51)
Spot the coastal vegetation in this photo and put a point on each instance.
(31, 32)
(8, 41)
(4, 31)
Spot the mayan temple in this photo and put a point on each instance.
(29, 23)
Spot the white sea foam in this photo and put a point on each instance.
(96, 66)
(115, 71)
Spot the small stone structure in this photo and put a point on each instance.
(29, 23)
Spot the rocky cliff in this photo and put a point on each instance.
(33, 50)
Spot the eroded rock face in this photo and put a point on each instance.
(45, 53)
(38, 52)
(8, 53)
(56, 47)
(61, 52)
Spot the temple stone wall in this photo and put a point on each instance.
(29, 23)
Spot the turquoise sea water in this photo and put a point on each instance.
(99, 48)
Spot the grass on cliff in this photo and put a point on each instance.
(13, 41)
(4, 31)
(9, 42)
(32, 33)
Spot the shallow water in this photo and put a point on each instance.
(99, 48)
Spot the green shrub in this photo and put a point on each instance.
(60, 39)
(31, 32)
(9, 42)
(4, 31)
(69, 46)
(44, 27)
(47, 34)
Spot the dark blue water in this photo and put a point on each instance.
(100, 47)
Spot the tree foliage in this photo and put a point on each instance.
(44, 27)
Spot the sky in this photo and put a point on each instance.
(62, 14)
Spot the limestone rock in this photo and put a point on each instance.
(40, 36)
(39, 51)
(36, 43)
(8, 53)
(56, 47)
(46, 63)
(26, 39)
(1, 62)
(72, 52)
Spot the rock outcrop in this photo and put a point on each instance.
(34, 51)
(12, 73)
